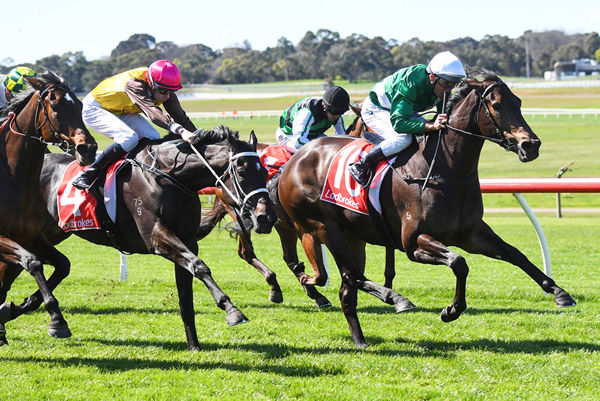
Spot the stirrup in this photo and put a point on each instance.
(82, 183)
(362, 174)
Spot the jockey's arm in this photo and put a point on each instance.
(340, 127)
(300, 128)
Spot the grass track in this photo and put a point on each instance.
(128, 343)
(511, 343)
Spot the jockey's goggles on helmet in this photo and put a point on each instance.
(164, 91)
(445, 83)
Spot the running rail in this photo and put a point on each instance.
(518, 186)
(515, 186)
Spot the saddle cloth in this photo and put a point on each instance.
(77, 208)
(341, 189)
(273, 157)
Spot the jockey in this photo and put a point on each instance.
(117, 106)
(309, 118)
(13, 83)
(391, 108)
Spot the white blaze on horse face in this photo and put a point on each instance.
(69, 98)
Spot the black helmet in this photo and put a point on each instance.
(336, 100)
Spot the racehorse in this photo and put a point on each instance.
(287, 236)
(158, 208)
(48, 113)
(420, 216)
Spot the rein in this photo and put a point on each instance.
(60, 142)
(503, 142)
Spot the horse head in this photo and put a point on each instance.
(357, 126)
(248, 178)
(497, 113)
(58, 117)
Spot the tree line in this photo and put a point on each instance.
(323, 55)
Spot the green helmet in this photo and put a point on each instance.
(14, 82)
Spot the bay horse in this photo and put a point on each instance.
(159, 211)
(287, 236)
(48, 113)
(420, 217)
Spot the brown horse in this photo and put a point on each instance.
(420, 218)
(49, 113)
(158, 209)
(287, 236)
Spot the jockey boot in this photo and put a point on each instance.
(362, 170)
(110, 155)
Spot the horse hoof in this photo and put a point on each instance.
(60, 331)
(322, 302)
(361, 345)
(404, 305)
(276, 297)
(236, 317)
(5, 312)
(562, 299)
(450, 314)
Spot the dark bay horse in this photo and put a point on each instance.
(158, 208)
(421, 220)
(47, 113)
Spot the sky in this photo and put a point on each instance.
(43, 28)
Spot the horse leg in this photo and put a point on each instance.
(169, 246)
(210, 219)
(8, 274)
(390, 268)
(312, 249)
(288, 238)
(487, 242)
(184, 278)
(48, 255)
(13, 253)
(385, 294)
(433, 252)
(333, 237)
(246, 252)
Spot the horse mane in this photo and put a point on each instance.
(474, 75)
(217, 134)
(17, 103)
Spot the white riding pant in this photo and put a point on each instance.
(124, 129)
(378, 120)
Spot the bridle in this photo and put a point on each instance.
(238, 194)
(506, 143)
(58, 139)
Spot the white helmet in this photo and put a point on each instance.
(447, 66)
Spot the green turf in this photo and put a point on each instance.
(128, 342)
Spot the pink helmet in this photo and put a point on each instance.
(164, 74)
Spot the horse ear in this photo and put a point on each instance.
(253, 140)
(230, 140)
(35, 83)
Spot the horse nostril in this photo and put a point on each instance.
(530, 146)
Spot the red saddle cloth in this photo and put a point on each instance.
(76, 208)
(273, 157)
(342, 190)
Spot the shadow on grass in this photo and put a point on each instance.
(133, 364)
(534, 347)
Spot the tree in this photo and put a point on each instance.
(567, 52)
(138, 41)
(591, 43)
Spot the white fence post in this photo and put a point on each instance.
(123, 267)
